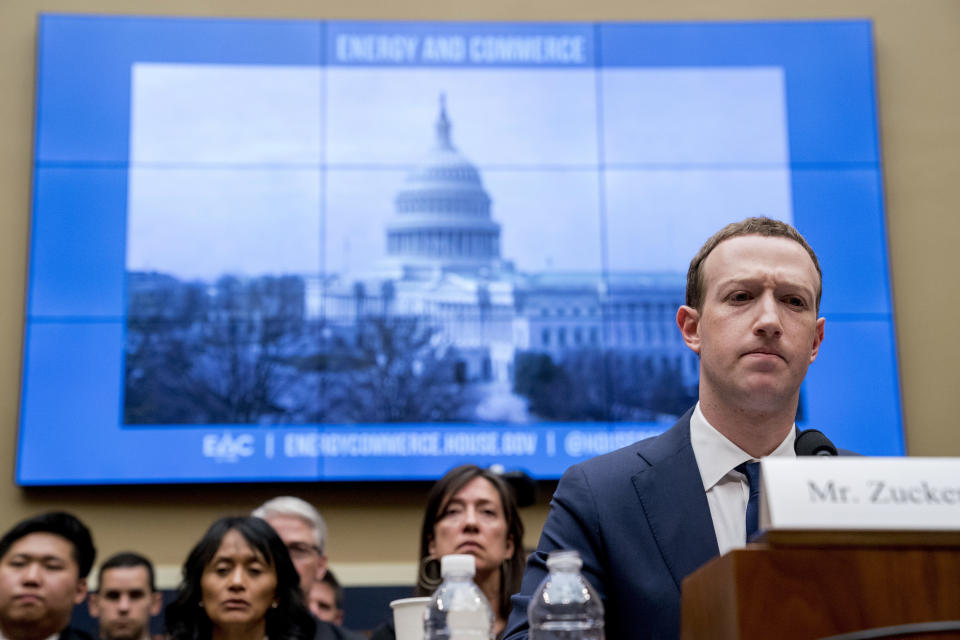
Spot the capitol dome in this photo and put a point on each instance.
(442, 213)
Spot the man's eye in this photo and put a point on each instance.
(740, 296)
(796, 301)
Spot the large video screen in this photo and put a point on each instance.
(268, 250)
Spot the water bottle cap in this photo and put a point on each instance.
(564, 561)
(458, 564)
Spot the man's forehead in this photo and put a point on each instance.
(287, 523)
(43, 543)
(734, 257)
(125, 578)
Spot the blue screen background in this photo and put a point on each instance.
(71, 429)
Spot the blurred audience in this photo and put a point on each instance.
(326, 599)
(126, 597)
(304, 533)
(44, 563)
(239, 584)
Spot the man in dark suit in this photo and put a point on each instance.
(126, 597)
(44, 563)
(646, 516)
(302, 529)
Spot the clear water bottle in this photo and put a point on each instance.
(458, 610)
(565, 606)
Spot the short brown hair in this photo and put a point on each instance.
(750, 227)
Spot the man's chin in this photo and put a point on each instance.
(28, 614)
(123, 634)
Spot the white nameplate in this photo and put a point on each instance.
(851, 494)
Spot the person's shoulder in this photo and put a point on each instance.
(655, 446)
(329, 631)
(73, 633)
(385, 631)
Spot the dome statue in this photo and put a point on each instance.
(442, 213)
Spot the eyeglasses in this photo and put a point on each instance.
(300, 550)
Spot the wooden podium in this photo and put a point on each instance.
(787, 593)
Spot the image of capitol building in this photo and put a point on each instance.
(444, 266)
(441, 328)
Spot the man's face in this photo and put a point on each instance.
(124, 603)
(39, 585)
(757, 330)
(323, 603)
(298, 536)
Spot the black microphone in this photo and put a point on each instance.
(813, 443)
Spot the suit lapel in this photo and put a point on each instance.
(671, 493)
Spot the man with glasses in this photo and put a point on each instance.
(303, 530)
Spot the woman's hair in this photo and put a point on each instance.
(185, 618)
(443, 491)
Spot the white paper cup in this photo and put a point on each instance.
(408, 617)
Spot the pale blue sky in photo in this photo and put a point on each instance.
(657, 218)
(230, 114)
(203, 223)
(226, 173)
(526, 117)
(548, 219)
(702, 116)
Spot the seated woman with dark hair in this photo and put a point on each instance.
(474, 511)
(239, 584)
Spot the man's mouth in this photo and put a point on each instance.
(764, 353)
(28, 598)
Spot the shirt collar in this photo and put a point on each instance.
(716, 455)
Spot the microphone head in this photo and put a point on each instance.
(813, 443)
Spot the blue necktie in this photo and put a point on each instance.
(752, 471)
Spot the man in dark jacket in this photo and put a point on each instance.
(302, 529)
(648, 515)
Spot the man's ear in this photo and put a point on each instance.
(81, 594)
(156, 603)
(321, 567)
(688, 321)
(817, 339)
(93, 604)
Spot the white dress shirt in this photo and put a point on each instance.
(727, 490)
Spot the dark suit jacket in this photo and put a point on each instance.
(74, 633)
(640, 520)
(329, 631)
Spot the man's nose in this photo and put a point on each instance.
(124, 604)
(768, 321)
(33, 574)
